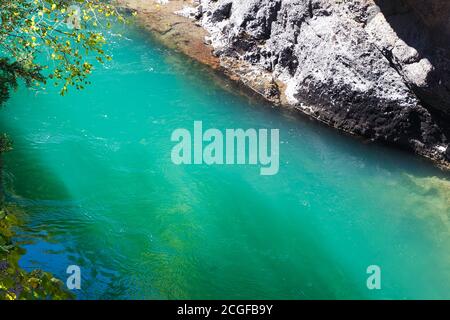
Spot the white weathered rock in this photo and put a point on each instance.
(359, 67)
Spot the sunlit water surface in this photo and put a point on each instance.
(93, 172)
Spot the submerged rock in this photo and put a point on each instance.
(372, 68)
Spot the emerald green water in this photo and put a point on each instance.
(93, 172)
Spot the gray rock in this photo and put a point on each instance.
(367, 67)
(223, 11)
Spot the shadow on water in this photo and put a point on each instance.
(35, 180)
(55, 223)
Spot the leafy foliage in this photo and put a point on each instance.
(11, 71)
(65, 32)
(42, 39)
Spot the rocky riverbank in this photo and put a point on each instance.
(375, 68)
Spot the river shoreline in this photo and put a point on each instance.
(174, 24)
(168, 24)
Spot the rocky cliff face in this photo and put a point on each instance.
(379, 69)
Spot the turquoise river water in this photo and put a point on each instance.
(93, 172)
